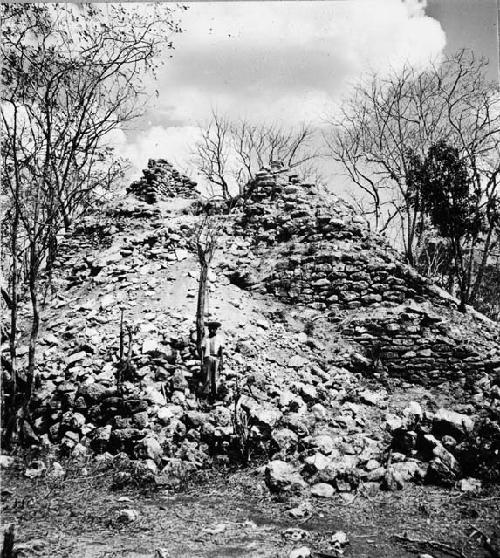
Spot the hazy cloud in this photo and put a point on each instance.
(287, 61)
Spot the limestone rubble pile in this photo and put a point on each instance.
(448, 446)
(444, 447)
(161, 180)
(295, 388)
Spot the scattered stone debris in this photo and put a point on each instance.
(127, 515)
(292, 395)
(301, 552)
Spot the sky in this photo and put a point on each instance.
(292, 62)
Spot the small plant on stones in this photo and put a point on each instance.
(242, 428)
(309, 328)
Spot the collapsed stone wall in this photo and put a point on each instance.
(75, 413)
(324, 256)
(153, 413)
(161, 180)
(421, 346)
(331, 258)
(344, 274)
(80, 404)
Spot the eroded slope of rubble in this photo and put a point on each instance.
(340, 362)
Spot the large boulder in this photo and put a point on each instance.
(453, 424)
(154, 396)
(339, 469)
(94, 392)
(317, 462)
(6, 461)
(444, 469)
(308, 392)
(283, 477)
(149, 448)
(297, 361)
(265, 417)
(392, 480)
(322, 490)
(323, 443)
(285, 440)
(410, 470)
(291, 401)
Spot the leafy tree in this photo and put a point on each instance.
(443, 188)
(388, 120)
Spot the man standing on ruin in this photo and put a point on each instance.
(211, 358)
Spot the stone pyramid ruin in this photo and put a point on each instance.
(314, 307)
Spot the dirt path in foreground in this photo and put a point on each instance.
(236, 517)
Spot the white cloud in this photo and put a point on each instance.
(246, 55)
(287, 61)
(415, 7)
(158, 142)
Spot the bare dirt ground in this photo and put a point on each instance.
(233, 515)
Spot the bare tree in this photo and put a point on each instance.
(30, 216)
(390, 119)
(79, 87)
(72, 74)
(229, 153)
(212, 153)
(206, 239)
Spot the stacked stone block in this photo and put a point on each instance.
(424, 347)
(329, 255)
(161, 180)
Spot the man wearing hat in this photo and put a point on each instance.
(211, 357)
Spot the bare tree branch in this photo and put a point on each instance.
(231, 152)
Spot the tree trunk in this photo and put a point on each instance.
(461, 275)
(67, 221)
(410, 256)
(8, 542)
(480, 273)
(225, 190)
(35, 324)
(65, 214)
(11, 422)
(200, 308)
(121, 336)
